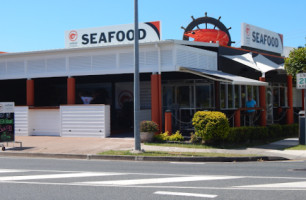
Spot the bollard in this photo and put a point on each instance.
(168, 121)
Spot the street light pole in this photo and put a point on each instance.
(136, 79)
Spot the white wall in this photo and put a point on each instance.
(66, 121)
(44, 122)
(85, 121)
(21, 120)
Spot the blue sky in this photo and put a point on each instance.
(40, 25)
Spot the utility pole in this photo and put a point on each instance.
(136, 79)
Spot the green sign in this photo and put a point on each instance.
(301, 81)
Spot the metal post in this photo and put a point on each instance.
(136, 79)
(302, 139)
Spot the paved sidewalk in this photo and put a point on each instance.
(44, 145)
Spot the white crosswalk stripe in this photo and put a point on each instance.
(11, 170)
(161, 180)
(298, 185)
(186, 194)
(54, 176)
(117, 179)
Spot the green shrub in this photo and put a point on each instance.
(194, 138)
(176, 137)
(291, 130)
(148, 126)
(163, 137)
(211, 126)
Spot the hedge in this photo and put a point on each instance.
(239, 135)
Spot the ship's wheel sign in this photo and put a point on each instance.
(208, 29)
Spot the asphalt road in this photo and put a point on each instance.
(36, 179)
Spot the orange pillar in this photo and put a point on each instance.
(156, 109)
(30, 92)
(70, 90)
(262, 101)
(237, 118)
(289, 117)
(168, 122)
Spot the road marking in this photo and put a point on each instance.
(299, 185)
(11, 170)
(160, 180)
(53, 176)
(186, 194)
(188, 163)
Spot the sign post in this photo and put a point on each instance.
(301, 84)
(7, 131)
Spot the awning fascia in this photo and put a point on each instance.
(223, 77)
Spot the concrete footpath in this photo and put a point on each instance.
(88, 148)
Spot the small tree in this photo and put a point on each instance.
(296, 62)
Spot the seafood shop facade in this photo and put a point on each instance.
(86, 89)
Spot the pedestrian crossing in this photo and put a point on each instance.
(119, 179)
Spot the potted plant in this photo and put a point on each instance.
(147, 130)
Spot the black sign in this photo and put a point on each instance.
(7, 131)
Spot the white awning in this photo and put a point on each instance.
(223, 77)
(259, 62)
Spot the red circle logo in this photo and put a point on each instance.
(247, 30)
(73, 35)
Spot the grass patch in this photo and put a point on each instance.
(173, 154)
(220, 146)
(298, 147)
(182, 145)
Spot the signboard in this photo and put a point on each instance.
(301, 81)
(7, 131)
(259, 38)
(112, 35)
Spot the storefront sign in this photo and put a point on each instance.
(7, 131)
(259, 38)
(301, 81)
(112, 35)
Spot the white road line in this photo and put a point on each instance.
(186, 194)
(53, 176)
(11, 170)
(188, 163)
(160, 180)
(299, 185)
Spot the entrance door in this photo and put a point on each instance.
(269, 103)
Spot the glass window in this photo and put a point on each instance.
(237, 96)
(230, 96)
(168, 97)
(283, 96)
(184, 96)
(203, 96)
(243, 96)
(276, 97)
(222, 96)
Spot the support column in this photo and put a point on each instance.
(168, 122)
(289, 117)
(237, 118)
(30, 92)
(262, 101)
(156, 109)
(70, 90)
